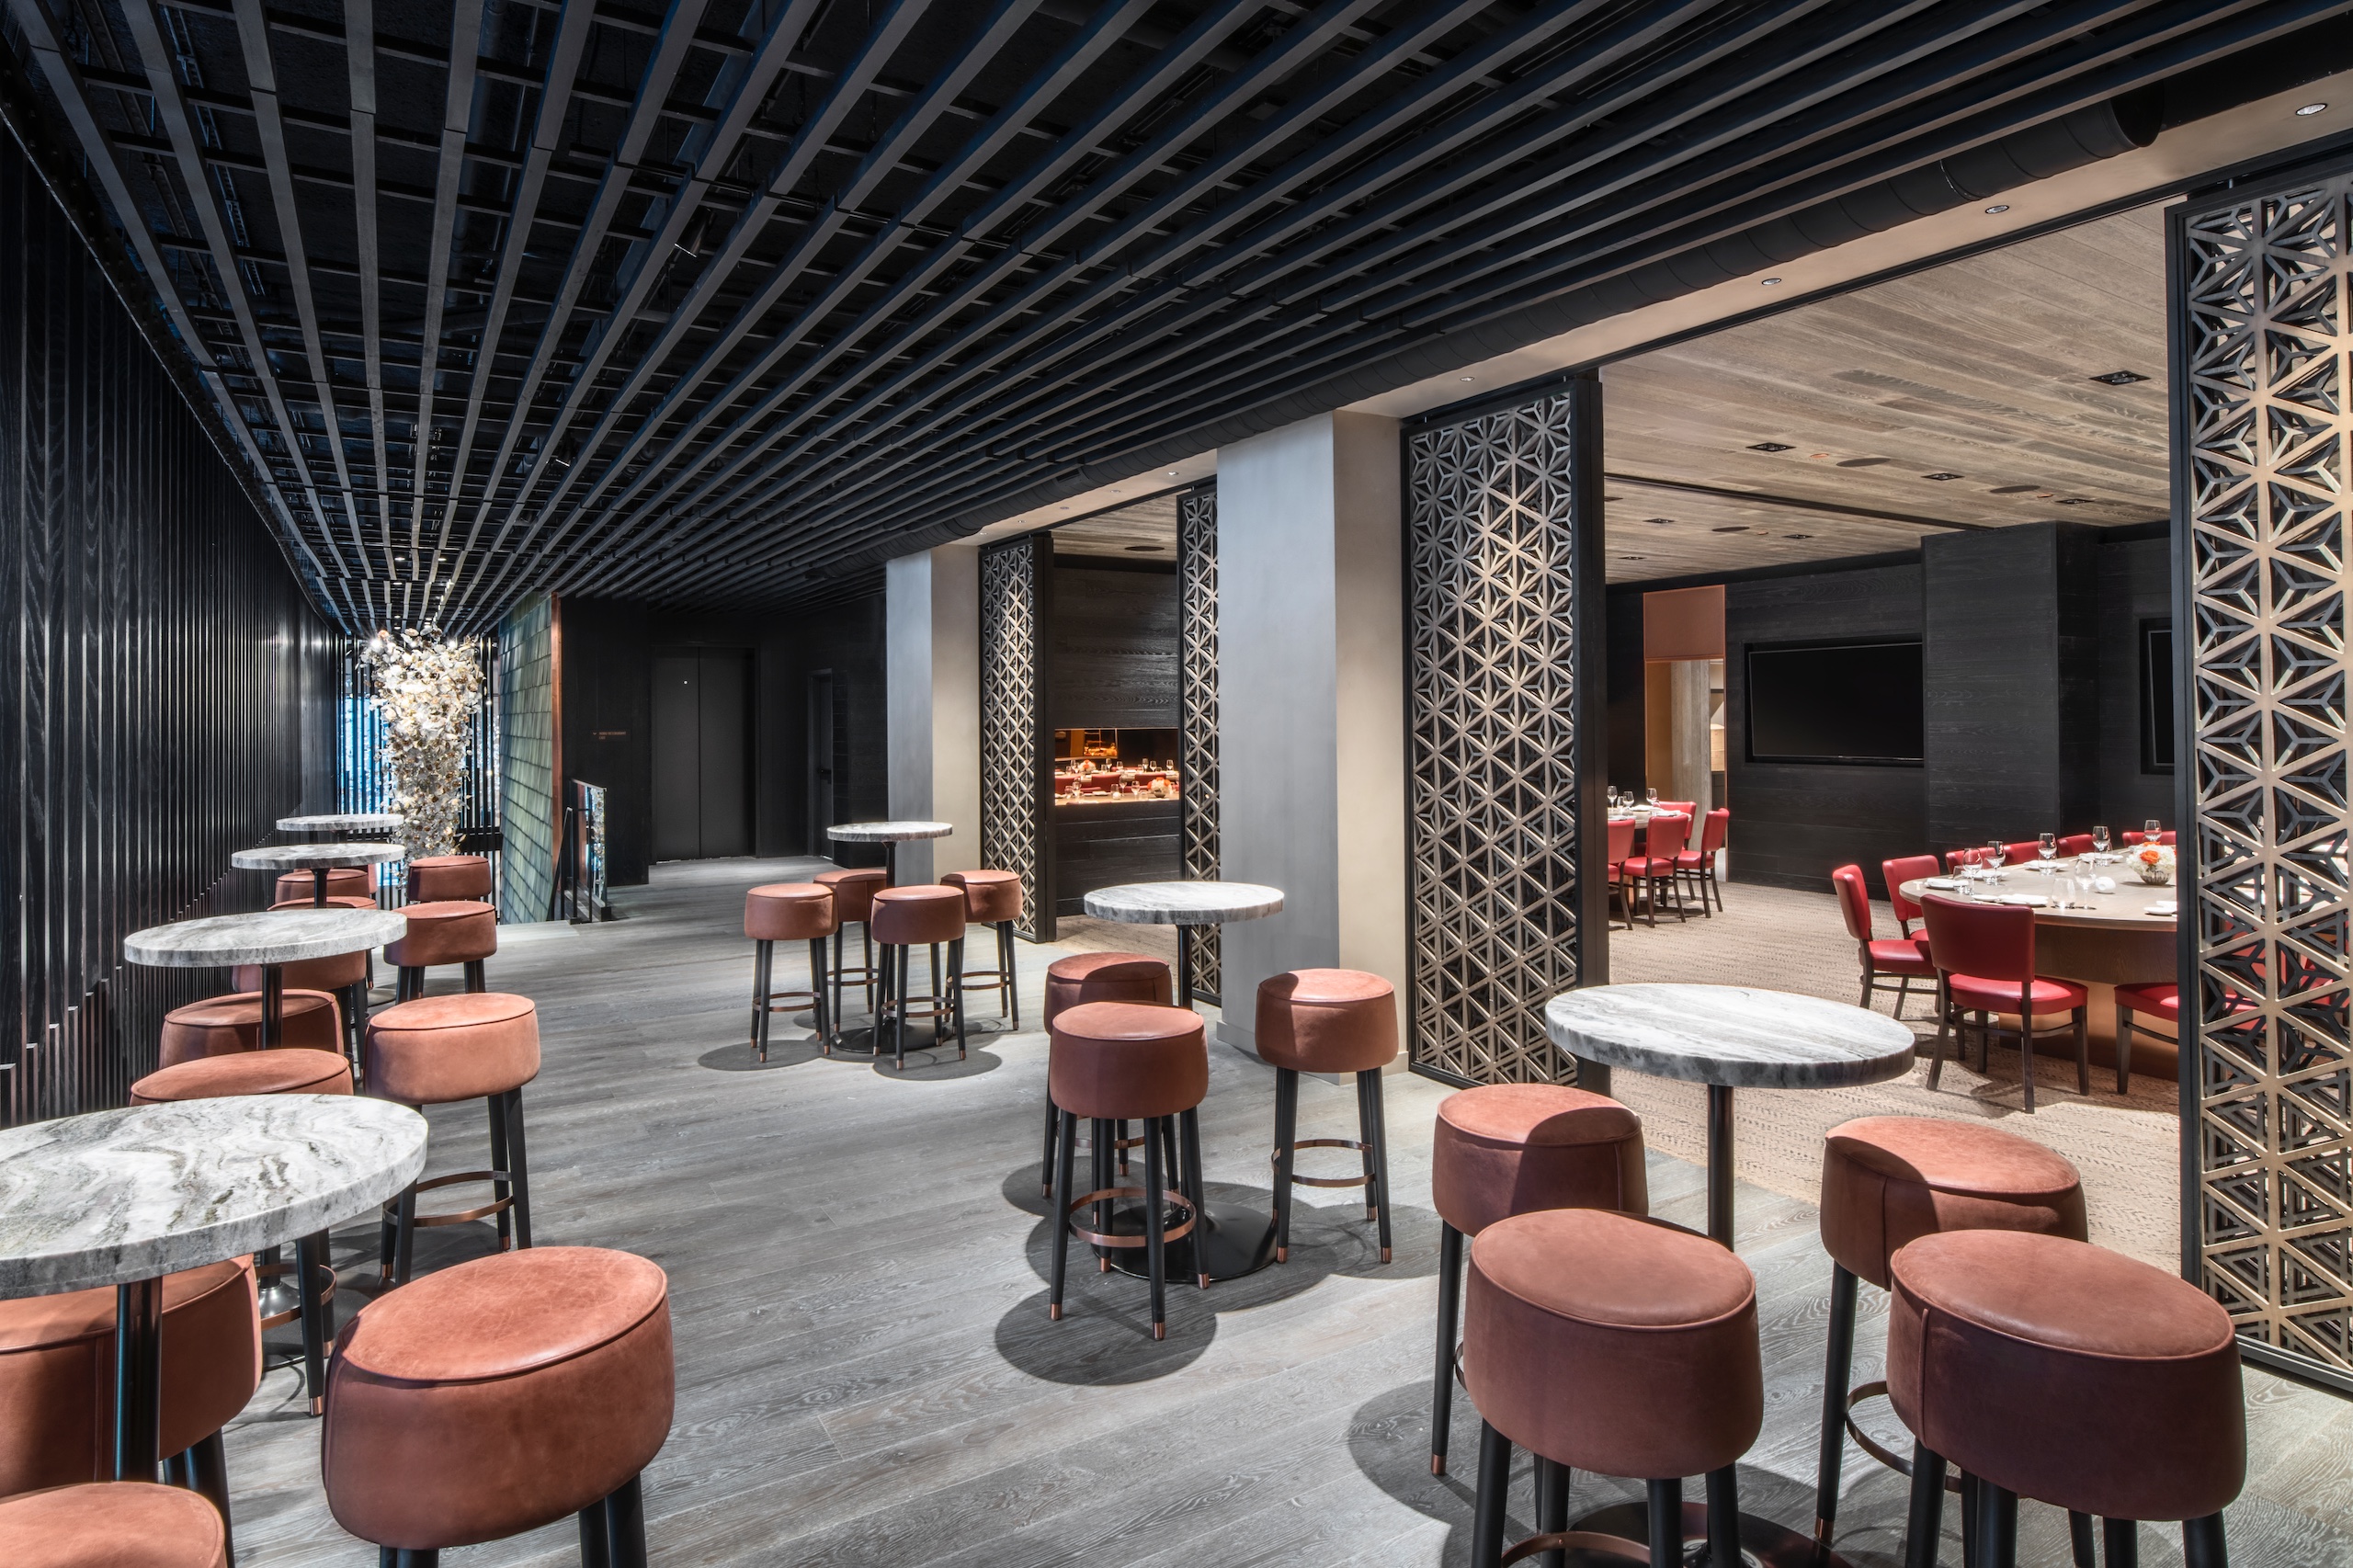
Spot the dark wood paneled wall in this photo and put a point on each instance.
(2136, 585)
(608, 724)
(1629, 724)
(1116, 841)
(1113, 656)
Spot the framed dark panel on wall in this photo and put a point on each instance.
(1850, 704)
(2156, 696)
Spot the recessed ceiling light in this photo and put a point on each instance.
(1768, 446)
(1172, 474)
(2311, 108)
(1660, 522)
(1998, 207)
(1865, 462)
(1770, 282)
(1143, 548)
(1633, 558)
(1730, 528)
(2119, 378)
(1797, 535)
(2010, 490)
(1470, 378)
(2076, 501)
(1940, 476)
(1613, 497)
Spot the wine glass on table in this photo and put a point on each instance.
(2099, 838)
(2047, 845)
(2150, 832)
(1613, 797)
(1993, 856)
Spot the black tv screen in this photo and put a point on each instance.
(1852, 703)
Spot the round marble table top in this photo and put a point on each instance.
(888, 832)
(2135, 905)
(269, 935)
(312, 856)
(125, 1195)
(344, 822)
(1734, 1036)
(1183, 904)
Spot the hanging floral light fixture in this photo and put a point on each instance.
(428, 688)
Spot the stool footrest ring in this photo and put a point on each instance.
(326, 1286)
(1870, 1445)
(1110, 1194)
(1577, 1541)
(1357, 1180)
(792, 1000)
(495, 1206)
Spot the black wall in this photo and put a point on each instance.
(607, 691)
(1112, 658)
(163, 668)
(2136, 585)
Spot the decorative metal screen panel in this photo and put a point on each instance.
(2261, 400)
(1491, 595)
(1016, 833)
(1197, 708)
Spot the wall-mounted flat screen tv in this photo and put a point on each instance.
(1855, 704)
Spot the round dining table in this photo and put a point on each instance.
(123, 1198)
(270, 938)
(344, 822)
(890, 835)
(316, 859)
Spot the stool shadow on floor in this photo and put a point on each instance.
(933, 1064)
(739, 1057)
(1105, 1334)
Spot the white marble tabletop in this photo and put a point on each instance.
(125, 1195)
(1183, 904)
(344, 822)
(312, 856)
(888, 832)
(1733, 1036)
(269, 935)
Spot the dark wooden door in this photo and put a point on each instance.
(702, 752)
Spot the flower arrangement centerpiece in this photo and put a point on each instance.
(2153, 861)
(427, 687)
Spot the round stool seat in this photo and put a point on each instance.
(332, 973)
(343, 881)
(1888, 1180)
(989, 896)
(333, 901)
(453, 932)
(1106, 977)
(1110, 1060)
(439, 1050)
(114, 1523)
(219, 1026)
(1327, 1020)
(289, 1072)
(788, 912)
(917, 916)
(1614, 1344)
(57, 1374)
(435, 878)
(497, 1396)
(1505, 1149)
(854, 888)
(2063, 1372)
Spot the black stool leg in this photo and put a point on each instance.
(1723, 1518)
(317, 1310)
(1968, 1537)
(596, 1537)
(1154, 1220)
(833, 981)
(1553, 1508)
(1012, 983)
(817, 1000)
(1997, 1527)
(1060, 1190)
(1286, 1138)
(1665, 1533)
(625, 1524)
(1169, 1160)
(402, 1558)
(2203, 1544)
(1449, 1311)
(2085, 1543)
(476, 981)
(899, 1005)
(1925, 1524)
(208, 1475)
(762, 955)
(956, 990)
(938, 991)
(388, 1240)
(1101, 1137)
(1376, 1133)
(1194, 1186)
(500, 1183)
(405, 1253)
(1837, 1375)
(519, 1169)
(1046, 1163)
(1364, 1136)
(1487, 1511)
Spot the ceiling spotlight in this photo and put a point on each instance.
(1172, 474)
(1143, 548)
(1470, 378)
(2010, 490)
(2119, 378)
(1768, 446)
(1730, 528)
(1633, 558)
(1865, 462)
(1797, 535)
(1660, 522)
(1940, 476)
(1769, 282)
(2077, 501)
(2310, 109)
(1997, 208)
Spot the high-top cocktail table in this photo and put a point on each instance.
(271, 938)
(890, 835)
(316, 859)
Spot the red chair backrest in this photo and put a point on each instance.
(2021, 853)
(2138, 837)
(1854, 902)
(1955, 858)
(2076, 844)
(1686, 807)
(1622, 840)
(1669, 831)
(1898, 871)
(1712, 828)
(1988, 941)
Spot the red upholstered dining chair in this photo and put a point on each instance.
(2137, 1001)
(2076, 844)
(1667, 834)
(1985, 960)
(1697, 867)
(1621, 847)
(2018, 854)
(2137, 837)
(1956, 858)
(1688, 808)
(1902, 870)
(1884, 958)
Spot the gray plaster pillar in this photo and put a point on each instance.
(931, 667)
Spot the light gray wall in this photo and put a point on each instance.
(931, 667)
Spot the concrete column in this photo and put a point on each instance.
(1310, 693)
(1688, 738)
(932, 669)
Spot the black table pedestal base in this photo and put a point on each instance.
(1763, 1543)
(1235, 1239)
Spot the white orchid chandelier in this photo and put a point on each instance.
(428, 688)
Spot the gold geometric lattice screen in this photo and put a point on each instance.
(1492, 742)
(2264, 329)
(1197, 707)
(1013, 597)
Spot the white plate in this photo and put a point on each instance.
(2024, 900)
(2162, 910)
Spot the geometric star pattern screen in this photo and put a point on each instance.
(1491, 740)
(1014, 835)
(2263, 333)
(1197, 708)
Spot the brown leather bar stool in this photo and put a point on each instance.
(2047, 1368)
(334, 901)
(1099, 977)
(343, 976)
(854, 888)
(498, 1396)
(788, 912)
(903, 919)
(57, 1374)
(458, 932)
(301, 887)
(223, 1026)
(447, 878)
(114, 1523)
(286, 1070)
(1336, 1021)
(1618, 1345)
(1111, 1061)
(1889, 1180)
(1506, 1149)
(482, 1045)
(993, 898)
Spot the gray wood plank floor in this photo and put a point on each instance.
(866, 1372)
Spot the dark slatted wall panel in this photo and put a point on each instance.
(151, 697)
(1197, 708)
(2260, 335)
(1017, 777)
(1495, 678)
